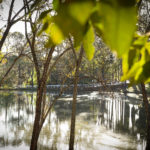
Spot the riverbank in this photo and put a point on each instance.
(120, 87)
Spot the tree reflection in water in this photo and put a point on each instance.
(102, 122)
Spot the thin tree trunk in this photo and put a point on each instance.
(9, 24)
(146, 105)
(4, 37)
(40, 93)
(36, 127)
(37, 121)
(73, 116)
(32, 74)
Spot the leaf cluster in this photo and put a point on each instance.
(113, 20)
(136, 63)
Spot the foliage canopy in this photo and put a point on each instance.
(115, 21)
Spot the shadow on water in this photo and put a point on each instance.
(102, 122)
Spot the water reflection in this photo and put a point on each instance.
(102, 122)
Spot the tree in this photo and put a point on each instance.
(43, 71)
(115, 30)
(12, 18)
(78, 61)
(16, 48)
(97, 18)
(66, 19)
(102, 67)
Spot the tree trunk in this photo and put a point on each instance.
(4, 36)
(32, 74)
(36, 126)
(73, 116)
(40, 92)
(146, 105)
(72, 130)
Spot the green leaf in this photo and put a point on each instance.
(127, 3)
(55, 4)
(46, 20)
(80, 11)
(139, 41)
(44, 14)
(96, 20)
(49, 43)
(118, 24)
(136, 63)
(70, 20)
(88, 42)
(55, 34)
(147, 46)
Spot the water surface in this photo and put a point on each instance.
(106, 122)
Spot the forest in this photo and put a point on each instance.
(74, 74)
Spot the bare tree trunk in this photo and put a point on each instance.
(146, 105)
(4, 37)
(36, 126)
(9, 24)
(41, 79)
(40, 93)
(32, 74)
(73, 116)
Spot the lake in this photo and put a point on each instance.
(109, 121)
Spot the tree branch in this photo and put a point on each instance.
(10, 68)
(31, 44)
(10, 11)
(56, 61)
